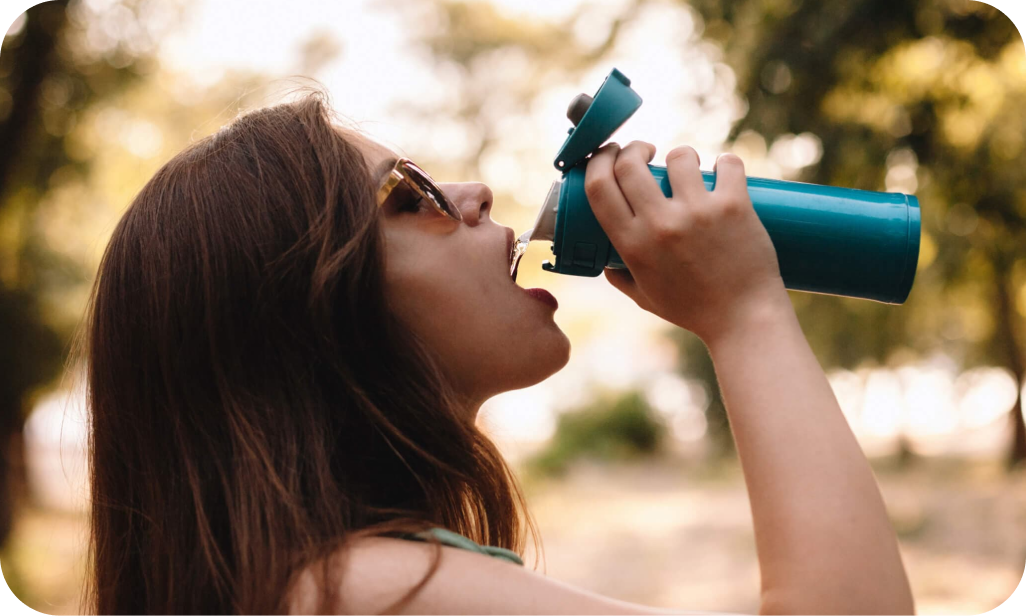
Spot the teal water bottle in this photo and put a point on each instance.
(837, 241)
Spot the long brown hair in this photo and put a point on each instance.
(254, 404)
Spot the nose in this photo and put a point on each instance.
(481, 200)
(473, 198)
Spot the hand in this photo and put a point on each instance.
(699, 259)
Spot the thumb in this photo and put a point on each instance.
(624, 282)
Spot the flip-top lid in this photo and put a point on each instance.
(612, 105)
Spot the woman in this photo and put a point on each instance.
(291, 334)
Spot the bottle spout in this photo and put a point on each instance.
(544, 227)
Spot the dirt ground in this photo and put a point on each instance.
(666, 534)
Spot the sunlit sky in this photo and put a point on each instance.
(668, 63)
(377, 67)
(661, 50)
(932, 405)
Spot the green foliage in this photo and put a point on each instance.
(931, 91)
(935, 90)
(38, 358)
(53, 77)
(611, 429)
(695, 363)
(934, 85)
(14, 577)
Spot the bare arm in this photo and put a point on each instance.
(703, 260)
(824, 541)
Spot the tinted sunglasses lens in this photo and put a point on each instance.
(432, 191)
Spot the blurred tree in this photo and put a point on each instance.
(695, 362)
(489, 49)
(924, 96)
(482, 42)
(30, 355)
(620, 427)
(59, 61)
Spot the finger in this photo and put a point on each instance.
(636, 181)
(608, 204)
(685, 177)
(730, 178)
(624, 282)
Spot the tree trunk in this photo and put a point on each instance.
(12, 476)
(1015, 358)
(6, 495)
(905, 454)
(32, 65)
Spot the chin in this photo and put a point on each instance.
(548, 356)
(544, 354)
(565, 348)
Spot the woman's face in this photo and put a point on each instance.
(449, 282)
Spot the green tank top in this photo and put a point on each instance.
(456, 540)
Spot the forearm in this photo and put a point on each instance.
(824, 541)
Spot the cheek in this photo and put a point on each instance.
(437, 279)
(430, 291)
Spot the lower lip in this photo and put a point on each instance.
(543, 296)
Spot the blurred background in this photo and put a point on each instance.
(625, 455)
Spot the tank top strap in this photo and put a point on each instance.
(457, 540)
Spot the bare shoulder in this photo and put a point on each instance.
(377, 571)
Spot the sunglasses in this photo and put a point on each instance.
(408, 184)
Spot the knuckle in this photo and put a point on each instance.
(735, 205)
(702, 217)
(594, 187)
(667, 231)
(732, 209)
(623, 167)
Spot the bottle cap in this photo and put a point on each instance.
(597, 118)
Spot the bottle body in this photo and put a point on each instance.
(831, 240)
